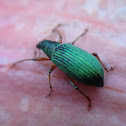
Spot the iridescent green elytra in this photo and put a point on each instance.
(75, 62)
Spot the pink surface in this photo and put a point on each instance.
(23, 89)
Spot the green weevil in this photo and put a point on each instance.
(76, 63)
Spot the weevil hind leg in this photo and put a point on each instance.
(84, 33)
(87, 97)
(96, 55)
(50, 86)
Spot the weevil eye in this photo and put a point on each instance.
(37, 46)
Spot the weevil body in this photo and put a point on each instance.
(75, 62)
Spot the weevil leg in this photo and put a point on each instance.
(60, 37)
(87, 97)
(50, 86)
(55, 30)
(35, 54)
(34, 59)
(84, 33)
(96, 55)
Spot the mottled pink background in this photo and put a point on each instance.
(23, 23)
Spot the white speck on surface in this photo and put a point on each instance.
(60, 5)
(102, 13)
(121, 12)
(25, 2)
(24, 104)
(90, 116)
(19, 26)
(55, 111)
(90, 6)
(120, 40)
(4, 116)
(115, 120)
(33, 121)
(20, 74)
(39, 27)
(3, 61)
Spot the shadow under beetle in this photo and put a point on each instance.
(76, 63)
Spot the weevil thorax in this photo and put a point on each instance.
(47, 46)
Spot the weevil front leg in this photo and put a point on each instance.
(35, 54)
(34, 59)
(84, 33)
(96, 55)
(50, 86)
(55, 30)
(87, 97)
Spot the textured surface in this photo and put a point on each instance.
(78, 64)
(23, 23)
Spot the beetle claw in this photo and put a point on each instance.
(110, 69)
(49, 94)
(89, 106)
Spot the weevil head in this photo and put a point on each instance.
(47, 46)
